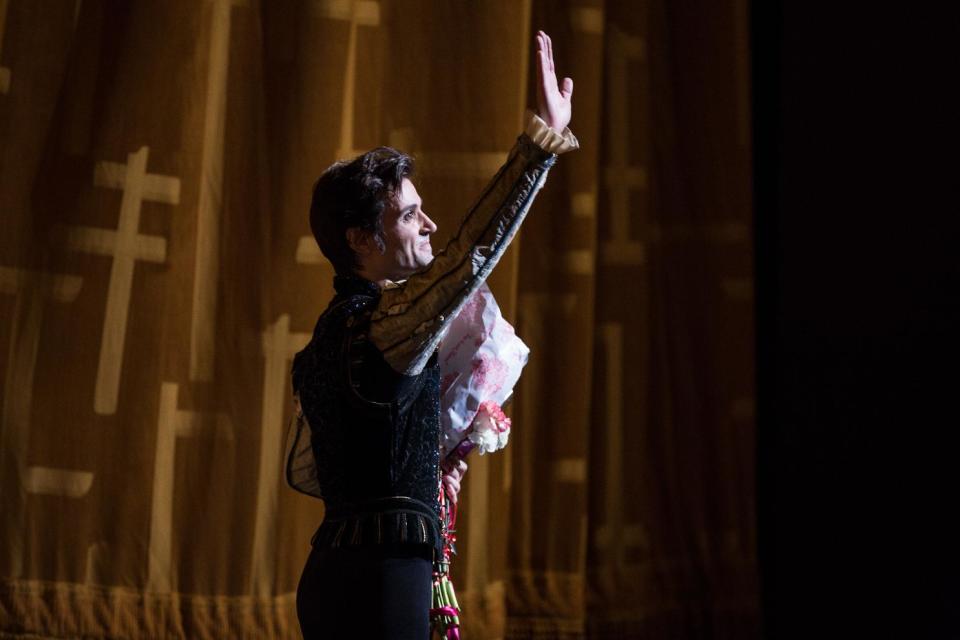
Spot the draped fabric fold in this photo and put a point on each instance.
(157, 275)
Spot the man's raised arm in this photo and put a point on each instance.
(411, 318)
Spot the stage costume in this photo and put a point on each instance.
(367, 387)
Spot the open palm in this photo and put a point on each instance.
(553, 101)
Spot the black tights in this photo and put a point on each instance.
(366, 592)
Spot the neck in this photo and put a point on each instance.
(379, 279)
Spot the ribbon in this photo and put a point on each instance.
(453, 629)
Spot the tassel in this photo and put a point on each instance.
(445, 612)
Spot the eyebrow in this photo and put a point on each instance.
(408, 208)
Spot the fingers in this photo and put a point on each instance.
(453, 469)
(453, 488)
(549, 50)
(567, 89)
(545, 44)
(450, 466)
(543, 65)
(452, 484)
(546, 79)
(541, 48)
(452, 478)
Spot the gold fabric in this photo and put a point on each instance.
(157, 274)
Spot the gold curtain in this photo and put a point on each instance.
(157, 274)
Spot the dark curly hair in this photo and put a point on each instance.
(354, 194)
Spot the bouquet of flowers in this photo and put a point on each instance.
(481, 358)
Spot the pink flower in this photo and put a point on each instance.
(490, 428)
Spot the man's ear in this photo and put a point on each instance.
(360, 241)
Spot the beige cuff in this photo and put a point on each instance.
(548, 139)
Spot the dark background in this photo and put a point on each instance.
(857, 274)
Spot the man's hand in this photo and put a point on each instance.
(553, 103)
(452, 476)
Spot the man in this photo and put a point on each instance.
(367, 385)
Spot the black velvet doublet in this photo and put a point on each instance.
(374, 433)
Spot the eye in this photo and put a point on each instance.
(408, 216)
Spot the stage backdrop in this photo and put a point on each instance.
(157, 274)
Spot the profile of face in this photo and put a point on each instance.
(406, 229)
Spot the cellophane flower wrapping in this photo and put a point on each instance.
(481, 358)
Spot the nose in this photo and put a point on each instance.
(427, 225)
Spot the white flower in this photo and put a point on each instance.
(486, 441)
(490, 429)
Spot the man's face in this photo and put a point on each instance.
(406, 230)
